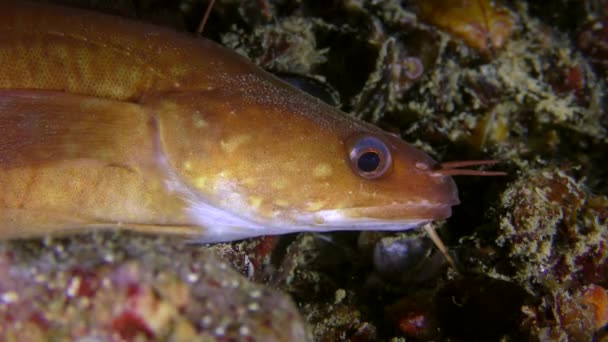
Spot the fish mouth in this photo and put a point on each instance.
(389, 217)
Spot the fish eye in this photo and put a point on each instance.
(370, 157)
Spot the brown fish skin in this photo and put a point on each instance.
(110, 123)
(63, 169)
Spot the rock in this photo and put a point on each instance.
(133, 288)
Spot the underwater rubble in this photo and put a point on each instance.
(521, 82)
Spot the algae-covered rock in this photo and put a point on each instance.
(135, 288)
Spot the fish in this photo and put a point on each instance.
(109, 123)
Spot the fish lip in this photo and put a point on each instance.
(405, 213)
(369, 225)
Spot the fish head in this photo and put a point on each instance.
(261, 158)
(391, 185)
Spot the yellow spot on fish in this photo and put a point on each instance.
(187, 165)
(341, 205)
(200, 182)
(314, 206)
(279, 183)
(71, 149)
(225, 174)
(198, 121)
(255, 201)
(105, 153)
(249, 181)
(281, 203)
(234, 142)
(322, 170)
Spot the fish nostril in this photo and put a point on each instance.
(422, 166)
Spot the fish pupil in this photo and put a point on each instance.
(368, 161)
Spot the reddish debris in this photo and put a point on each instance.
(262, 250)
(130, 325)
(593, 41)
(597, 300)
(40, 320)
(413, 323)
(582, 313)
(569, 80)
(83, 283)
(413, 316)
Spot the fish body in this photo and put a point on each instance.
(110, 123)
